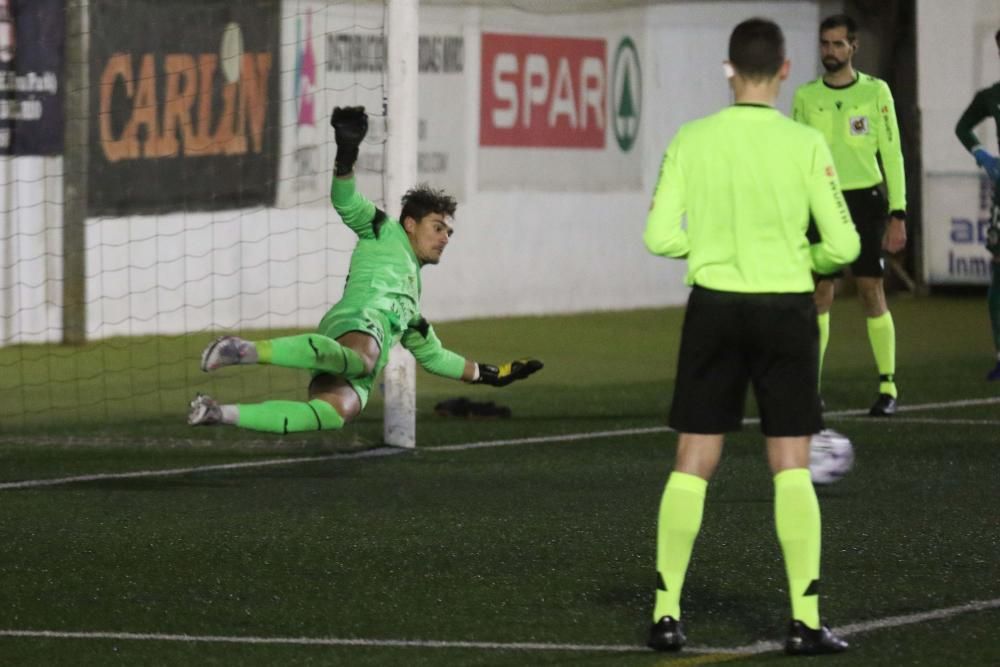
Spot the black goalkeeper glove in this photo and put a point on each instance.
(501, 376)
(350, 124)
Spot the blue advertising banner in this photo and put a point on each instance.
(31, 70)
(184, 105)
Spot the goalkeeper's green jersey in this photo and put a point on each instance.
(986, 103)
(746, 178)
(858, 122)
(384, 278)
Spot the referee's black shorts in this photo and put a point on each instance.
(730, 340)
(868, 211)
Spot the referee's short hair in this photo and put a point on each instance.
(840, 21)
(757, 49)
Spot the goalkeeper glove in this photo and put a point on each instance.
(988, 162)
(350, 124)
(501, 376)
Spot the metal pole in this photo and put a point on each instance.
(76, 112)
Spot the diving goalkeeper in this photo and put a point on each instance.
(380, 307)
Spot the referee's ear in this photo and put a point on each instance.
(786, 67)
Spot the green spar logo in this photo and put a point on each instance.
(626, 93)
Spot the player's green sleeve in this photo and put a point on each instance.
(891, 150)
(972, 116)
(840, 243)
(664, 233)
(421, 340)
(356, 210)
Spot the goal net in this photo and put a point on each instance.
(172, 185)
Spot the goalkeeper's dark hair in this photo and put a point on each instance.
(757, 49)
(423, 200)
(840, 21)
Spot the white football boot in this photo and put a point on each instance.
(204, 411)
(224, 351)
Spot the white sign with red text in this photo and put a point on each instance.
(559, 112)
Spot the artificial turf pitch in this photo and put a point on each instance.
(545, 542)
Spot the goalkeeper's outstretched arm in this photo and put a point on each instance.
(350, 124)
(421, 340)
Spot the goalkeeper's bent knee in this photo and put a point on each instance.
(289, 416)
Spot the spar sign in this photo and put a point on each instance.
(559, 92)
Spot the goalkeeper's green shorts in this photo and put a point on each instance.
(367, 321)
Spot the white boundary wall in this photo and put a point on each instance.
(518, 250)
(956, 57)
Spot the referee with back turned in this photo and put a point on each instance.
(746, 179)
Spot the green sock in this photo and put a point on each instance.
(796, 516)
(823, 320)
(680, 519)
(289, 416)
(313, 352)
(882, 336)
(993, 302)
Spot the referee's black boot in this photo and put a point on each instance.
(803, 640)
(884, 406)
(666, 635)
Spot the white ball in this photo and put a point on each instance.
(831, 456)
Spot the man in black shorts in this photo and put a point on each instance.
(856, 114)
(746, 179)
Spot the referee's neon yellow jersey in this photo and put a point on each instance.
(858, 121)
(734, 196)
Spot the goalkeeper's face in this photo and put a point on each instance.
(429, 236)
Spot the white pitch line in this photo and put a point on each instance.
(930, 420)
(748, 649)
(951, 404)
(172, 472)
(385, 451)
(263, 442)
(322, 641)
(569, 437)
(966, 403)
(918, 617)
(572, 437)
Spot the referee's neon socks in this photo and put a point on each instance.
(311, 352)
(882, 336)
(681, 510)
(289, 416)
(797, 519)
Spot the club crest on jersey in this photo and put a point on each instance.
(859, 125)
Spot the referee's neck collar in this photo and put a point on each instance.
(831, 86)
(759, 105)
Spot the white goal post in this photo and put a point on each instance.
(402, 40)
